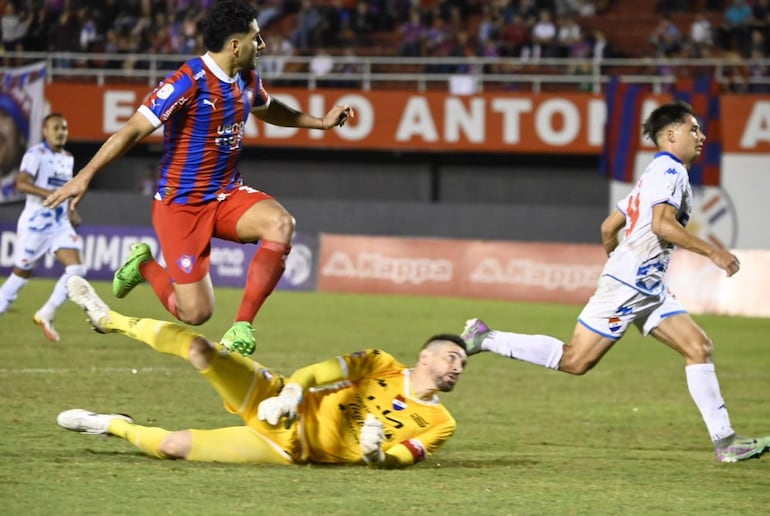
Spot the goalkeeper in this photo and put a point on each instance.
(358, 408)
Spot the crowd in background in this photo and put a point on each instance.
(527, 29)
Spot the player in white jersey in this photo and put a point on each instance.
(44, 168)
(631, 289)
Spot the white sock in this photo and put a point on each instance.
(59, 294)
(10, 290)
(540, 350)
(704, 389)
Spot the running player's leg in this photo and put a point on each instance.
(681, 333)
(249, 215)
(67, 247)
(601, 323)
(30, 246)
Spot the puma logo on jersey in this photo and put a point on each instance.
(211, 103)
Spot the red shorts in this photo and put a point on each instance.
(185, 231)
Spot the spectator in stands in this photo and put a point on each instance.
(269, 11)
(700, 34)
(514, 36)
(601, 46)
(64, 36)
(321, 65)
(582, 7)
(272, 61)
(14, 24)
(761, 17)
(734, 31)
(568, 34)
(758, 73)
(544, 42)
(362, 23)
(309, 22)
(490, 25)
(412, 35)
(335, 29)
(348, 64)
(757, 44)
(666, 38)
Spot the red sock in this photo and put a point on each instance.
(264, 272)
(160, 281)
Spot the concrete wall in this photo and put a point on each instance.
(388, 195)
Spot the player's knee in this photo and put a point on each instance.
(194, 315)
(700, 350)
(285, 224)
(575, 364)
(201, 353)
(176, 445)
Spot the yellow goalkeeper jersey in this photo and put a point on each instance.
(371, 381)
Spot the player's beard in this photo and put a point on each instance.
(445, 384)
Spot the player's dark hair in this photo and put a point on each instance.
(49, 116)
(671, 113)
(451, 337)
(226, 18)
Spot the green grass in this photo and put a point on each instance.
(625, 439)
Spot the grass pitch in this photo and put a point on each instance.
(624, 439)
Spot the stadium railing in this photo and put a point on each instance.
(376, 72)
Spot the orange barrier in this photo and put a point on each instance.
(436, 121)
(525, 271)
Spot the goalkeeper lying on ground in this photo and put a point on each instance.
(359, 408)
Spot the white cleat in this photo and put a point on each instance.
(86, 422)
(83, 294)
(46, 324)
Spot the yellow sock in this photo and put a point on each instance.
(166, 337)
(146, 438)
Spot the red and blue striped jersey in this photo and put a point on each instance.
(204, 113)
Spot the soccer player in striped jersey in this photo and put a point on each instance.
(40, 230)
(632, 289)
(203, 107)
(356, 408)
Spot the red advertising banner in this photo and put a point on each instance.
(516, 271)
(526, 271)
(434, 121)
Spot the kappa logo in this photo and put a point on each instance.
(212, 103)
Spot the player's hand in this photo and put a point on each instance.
(272, 410)
(372, 436)
(337, 116)
(73, 189)
(726, 261)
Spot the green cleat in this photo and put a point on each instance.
(742, 448)
(128, 275)
(473, 334)
(241, 337)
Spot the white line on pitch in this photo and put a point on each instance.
(59, 370)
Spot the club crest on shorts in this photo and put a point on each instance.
(185, 262)
(614, 324)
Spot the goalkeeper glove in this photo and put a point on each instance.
(283, 405)
(372, 435)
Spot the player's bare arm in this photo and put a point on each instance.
(25, 183)
(610, 228)
(666, 227)
(278, 113)
(136, 129)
